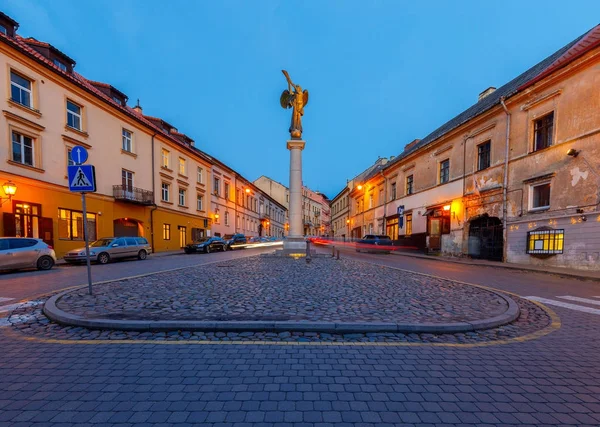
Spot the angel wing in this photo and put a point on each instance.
(305, 96)
(285, 99)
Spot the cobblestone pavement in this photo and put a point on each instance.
(533, 380)
(30, 321)
(283, 289)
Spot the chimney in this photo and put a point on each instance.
(411, 144)
(486, 92)
(138, 108)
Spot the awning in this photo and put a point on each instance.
(428, 212)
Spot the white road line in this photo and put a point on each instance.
(565, 305)
(3, 299)
(578, 299)
(11, 307)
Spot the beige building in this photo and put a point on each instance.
(456, 191)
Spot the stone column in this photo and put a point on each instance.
(295, 240)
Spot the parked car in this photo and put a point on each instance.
(234, 239)
(206, 245)
(107, 248)
(374, 243)
(25, 252)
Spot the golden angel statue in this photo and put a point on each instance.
(294, 97)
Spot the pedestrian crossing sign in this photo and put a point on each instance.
(82, 178)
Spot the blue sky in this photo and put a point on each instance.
(379, 73)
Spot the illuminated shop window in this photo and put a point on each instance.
(545, 242)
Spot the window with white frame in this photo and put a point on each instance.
(127, 180)
(22, 149)
(217, 186)
(3, 29)
(226, 218)
(127, 141)
(70, 161)
(165, 193)
(60, 65)
(199, 202)
(199, 177)
(393, 191)
(182, 167)
(226, 191)
(20, 89)
(182, 197)
(73, 115)
(444, 171)
(165, 158)
(540, 196)
(370, 200)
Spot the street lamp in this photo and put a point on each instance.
(10, 189)
(348, 226)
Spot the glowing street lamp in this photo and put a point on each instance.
(10, 189)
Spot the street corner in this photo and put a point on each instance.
(326, 303)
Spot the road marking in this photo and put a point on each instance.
(578, 299)
(11, 307)
(565, 305)
(3, 299)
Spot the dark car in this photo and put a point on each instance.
(233, 240)
(374, 243)
(206, 245)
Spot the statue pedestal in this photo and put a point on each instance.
(294, 243)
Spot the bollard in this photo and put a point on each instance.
(332, 251)
(338, 254)
(307, 251)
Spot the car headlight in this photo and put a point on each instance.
(82, 253)
(92, 253)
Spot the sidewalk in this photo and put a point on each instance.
(570, 272)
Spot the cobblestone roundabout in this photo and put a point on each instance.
(281, 289)
(257, 279)
(31, 322)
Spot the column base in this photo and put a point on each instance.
(294, 245)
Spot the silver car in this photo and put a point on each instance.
(107, 248)
(25, 252)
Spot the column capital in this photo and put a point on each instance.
(295, 143)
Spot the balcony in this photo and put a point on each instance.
(133, 195)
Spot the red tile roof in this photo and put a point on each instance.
(32, 41)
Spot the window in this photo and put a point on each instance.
(483, 155)
(199, 177)
(3, 29)
(127, 180)
(60, 65)
(545, 241)
(370, 200)
(226, 218)
(70, 161)
(181, 197)
(216, 186)
(165, 158)
(73, 115)
(22, 149)
(540, 196)
(20, 89)
(117, 100)
(393, 191)
(408, 224)
(182, 167)
(127, 139)
(409, 185)
(165, 191)
(226, 190)
(166, 231)
(543, 129)
(70, 225)
(444, 171)
(199, 202)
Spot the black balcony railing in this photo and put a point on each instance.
(133, 195)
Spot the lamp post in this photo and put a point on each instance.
(10, 189)
(348, 226)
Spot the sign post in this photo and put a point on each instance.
(82, 179)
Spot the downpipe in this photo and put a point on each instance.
(505, 184)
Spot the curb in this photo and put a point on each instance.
(508, 266)
(56, 314)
